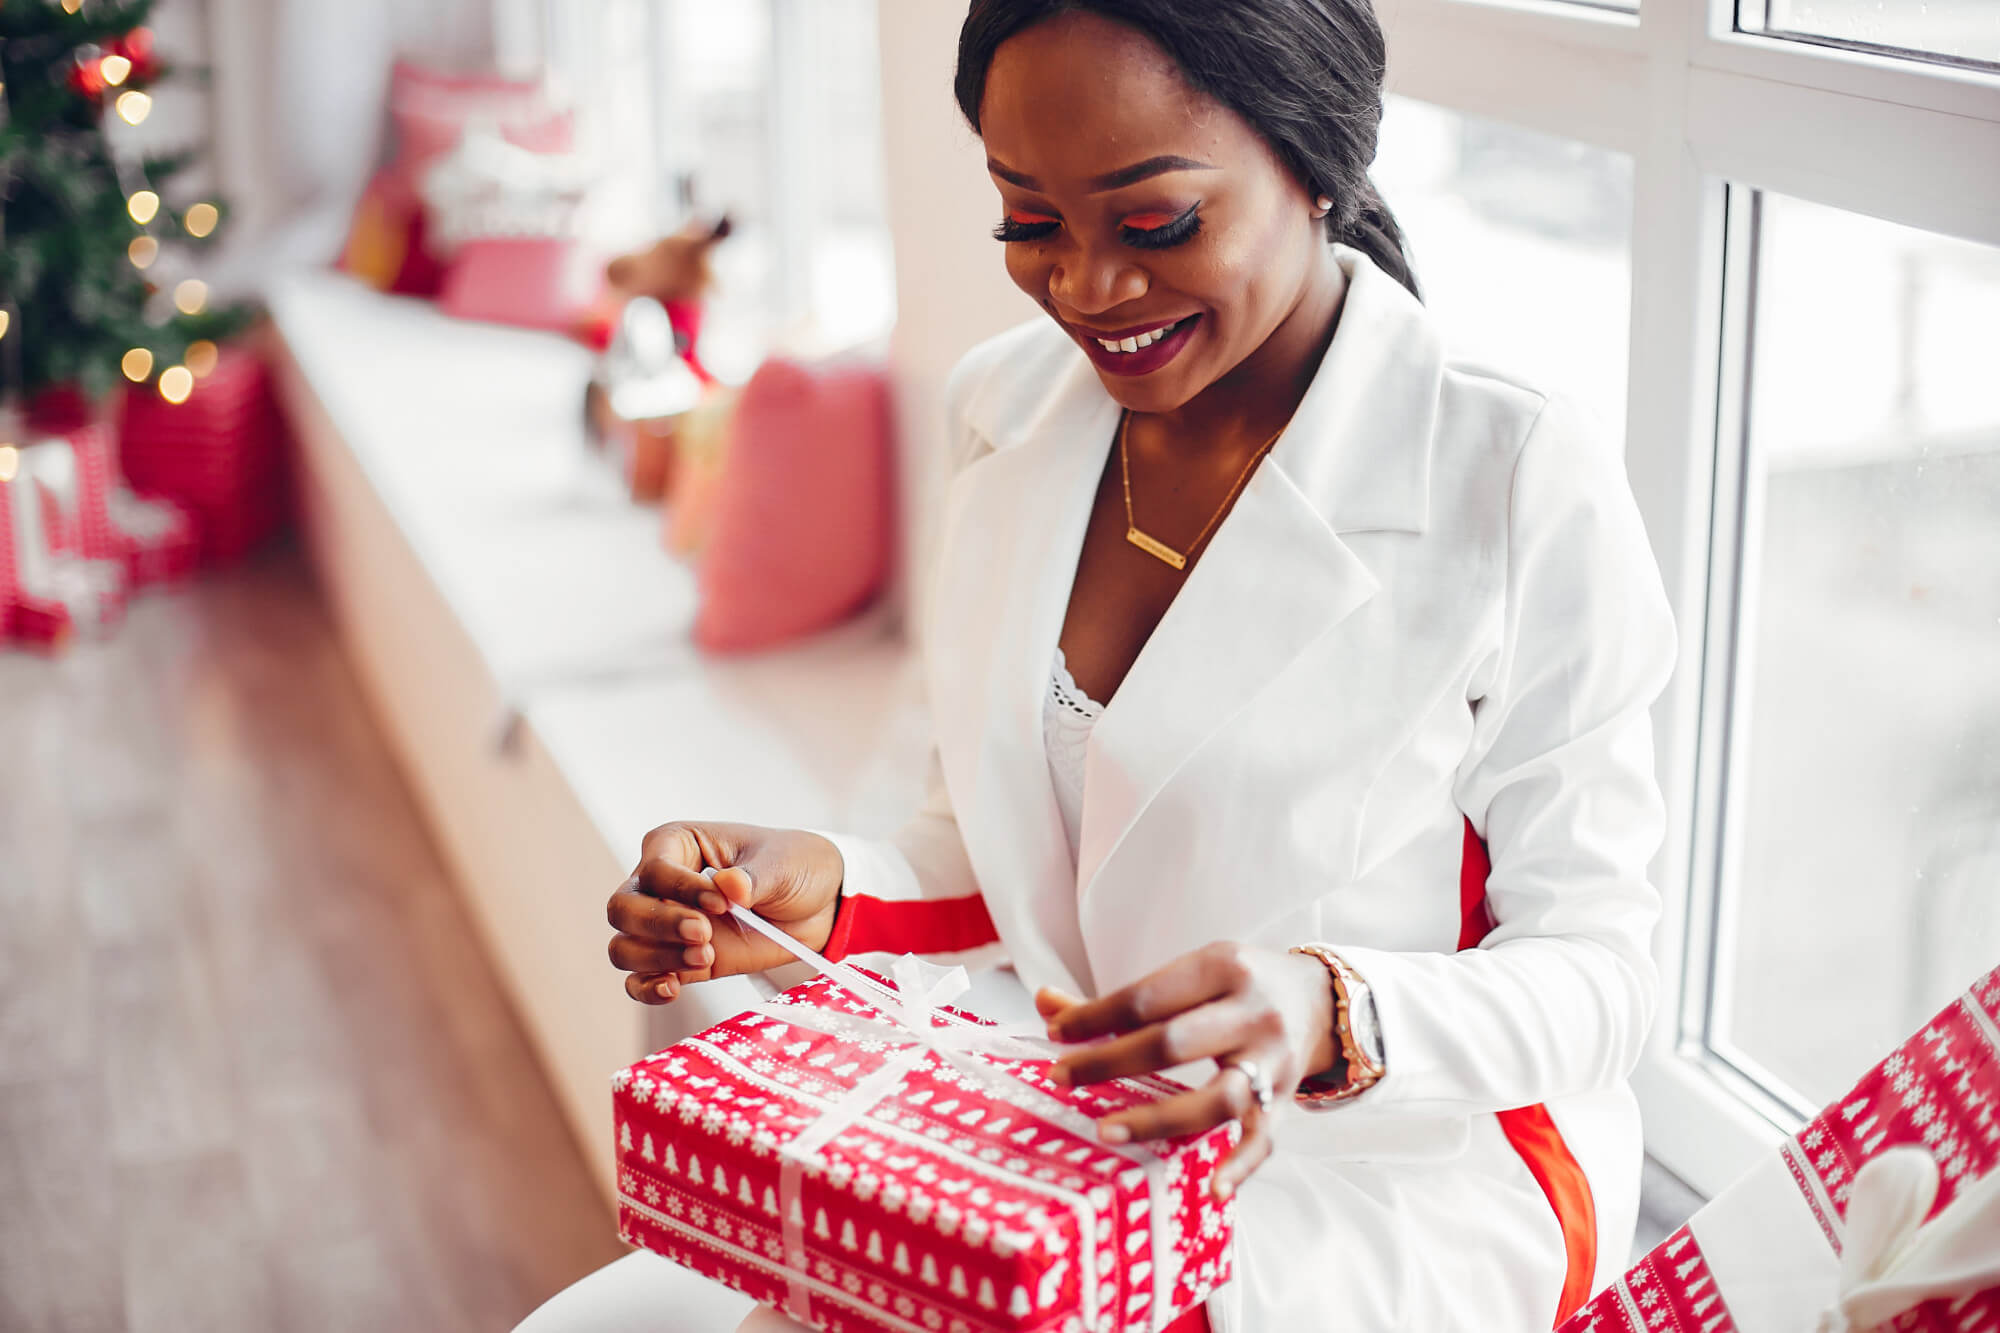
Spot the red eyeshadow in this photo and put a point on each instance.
(1029, 219)
(1150, 221)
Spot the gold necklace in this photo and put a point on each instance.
(1152, 545)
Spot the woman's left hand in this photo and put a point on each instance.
(1226, 1002)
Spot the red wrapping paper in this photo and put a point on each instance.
(1940, 1091)
(219, 456)
(946, 1207)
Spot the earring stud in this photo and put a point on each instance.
(1325, 205)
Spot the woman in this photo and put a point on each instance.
(1274, 659)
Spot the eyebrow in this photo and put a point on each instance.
(1110, 180)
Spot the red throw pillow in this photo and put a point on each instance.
(803, 528)
(430, 111)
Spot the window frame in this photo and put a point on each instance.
(1709, 115)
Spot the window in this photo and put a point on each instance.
(1805, 352)
(767, 110)
(1967, 30)
(1857, 821)
(1522, 246)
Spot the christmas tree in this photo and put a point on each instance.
(94, 279)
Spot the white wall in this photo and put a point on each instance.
(951, 287)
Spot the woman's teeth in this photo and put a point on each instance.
(1142, 340)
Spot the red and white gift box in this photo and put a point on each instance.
(864, 1160)
(1884, 1211)
(50, 584)
(219, 456)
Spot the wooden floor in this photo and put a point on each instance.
(255, 1072)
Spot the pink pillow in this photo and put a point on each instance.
(537, 282)
(803, 528)
(387, 243)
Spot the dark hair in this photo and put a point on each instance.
(1306, 74)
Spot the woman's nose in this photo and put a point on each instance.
(1090, 283)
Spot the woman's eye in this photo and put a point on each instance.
(1158, 231)
(1020, 226)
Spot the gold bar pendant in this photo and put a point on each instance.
(1156, 548)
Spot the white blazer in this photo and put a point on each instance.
(1433, 600)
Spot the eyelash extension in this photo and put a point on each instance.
(1168, 234)
(1178, 232)
(1010, 230)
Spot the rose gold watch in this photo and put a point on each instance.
(1357, 1032)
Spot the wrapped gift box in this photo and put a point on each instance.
(1779, 1249)
(815, 1154)
(49, 588)
(219, 456)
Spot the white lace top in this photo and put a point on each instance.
(1068, 714)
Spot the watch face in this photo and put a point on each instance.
(1362, 1024)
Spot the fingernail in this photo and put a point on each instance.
(1062, 997)
(667, 990)
(1223, 1188)
(714, 904)
(1059, 1074)
(1113, 1133)
(691, 931)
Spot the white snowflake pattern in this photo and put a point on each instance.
(676, 1205)
(652, 1194)
(739, 1130)
(697, 1215)
(712, 1120)
(689, 1110)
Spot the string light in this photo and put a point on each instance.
(191, 296)
(115, 69)
(201, 357)
(200, 220)
(137, 364)
(6, 318)
(142, 206)
(143, 251)
(72, 6)
(10, 462)
(176, 383)
(133, 106)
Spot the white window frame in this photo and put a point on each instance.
(1707, 115)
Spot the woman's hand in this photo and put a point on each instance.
(673, 920)
(1225, 1002)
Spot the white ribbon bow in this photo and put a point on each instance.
(920, 1025)
(1893, 1260)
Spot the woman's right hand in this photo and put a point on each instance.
(673, 921)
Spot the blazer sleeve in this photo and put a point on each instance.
(1559, 783)
(915, 892)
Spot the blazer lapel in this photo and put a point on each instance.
(1276, 577)
(1016, 520)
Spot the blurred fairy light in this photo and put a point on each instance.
(6, 318)
(191, 296)
(142, 206)
(200, 220)
(176, 383)
(133, 106)
(10, 462)
(143, 251)
(201, 357)
(137, 364)
(115, 69)
(71, 6)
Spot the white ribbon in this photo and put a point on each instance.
(1893, 1260)
(921, 1027)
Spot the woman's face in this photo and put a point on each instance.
(1137, 210)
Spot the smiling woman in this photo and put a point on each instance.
(1290, 685)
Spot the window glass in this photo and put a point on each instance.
(1960, 30)
(1862, 884)
(1522, 245)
